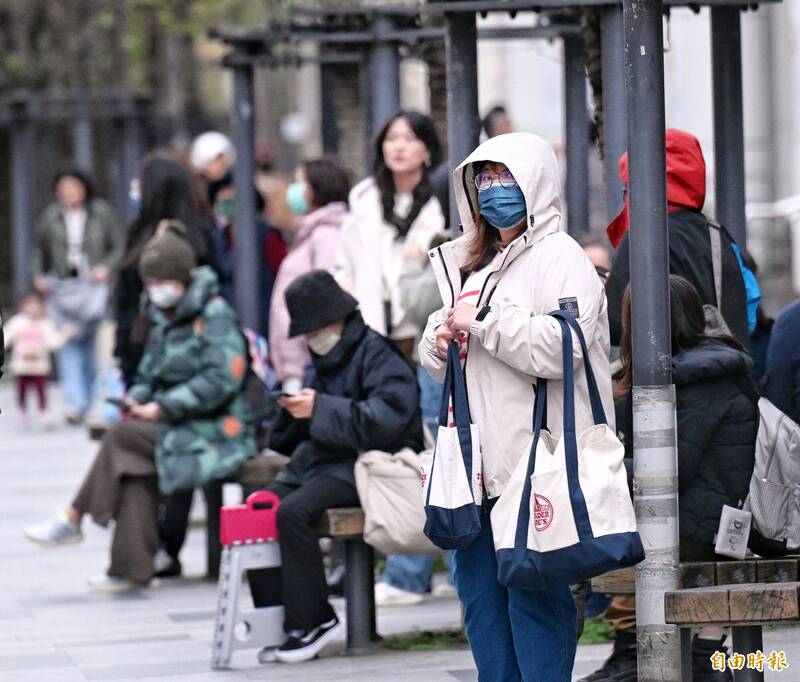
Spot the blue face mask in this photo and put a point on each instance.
(503, 207)
(296, 198)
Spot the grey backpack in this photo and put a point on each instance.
(774, 497)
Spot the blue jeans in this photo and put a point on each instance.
(76, 371)
(516, 635)
(412, 572)
(430, 398)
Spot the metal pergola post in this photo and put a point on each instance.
(330, 130)
(384, 73)
(726, 64)
(463, 118)
(82, 143)
(614, 127)
(248, 253)
(128, 153)
(577, 128)
(654, 437)
(22, 156)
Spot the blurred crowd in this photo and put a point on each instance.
(348, 284)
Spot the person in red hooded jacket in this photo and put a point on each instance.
(689, 240)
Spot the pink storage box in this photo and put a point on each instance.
(254, 521)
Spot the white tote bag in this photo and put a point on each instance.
(452, 485)
(388, 487)
(566, 514)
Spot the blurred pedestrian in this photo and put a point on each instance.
(364, 397)
(318, 198)
(188, 420)
(212, 155)
(392, 213)
(269, 243)
(77, 245)
(690, 245)
(499, 281)
(497, 122)
(717, 423)
(162, 191)
(782, 379)
(272, 186)
(762, 332)
(32, 337)
(596, 249)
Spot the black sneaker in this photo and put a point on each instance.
(166, 566)
(702, 651)
(304, 645)
(621, 665)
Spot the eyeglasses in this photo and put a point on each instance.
(485, 179)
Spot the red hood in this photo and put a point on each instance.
(686, 179)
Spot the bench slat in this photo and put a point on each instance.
(734, 604)
(707, 574)
(765, 602)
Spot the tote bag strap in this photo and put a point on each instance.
(579, 510)
(539, 423)
(455, 387)
(598, 412)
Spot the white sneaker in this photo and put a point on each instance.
(268, 654)
(444, 590)
(113, 584)
(54, 531)
(389, 595)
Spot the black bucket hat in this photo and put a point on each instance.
(314, 301)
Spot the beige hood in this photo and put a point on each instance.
(534, 165)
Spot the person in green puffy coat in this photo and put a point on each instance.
(187, 417)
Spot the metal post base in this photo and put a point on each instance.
(359, 590)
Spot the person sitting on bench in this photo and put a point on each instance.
(186, 418)
(364, 397)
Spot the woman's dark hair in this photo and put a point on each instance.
(328, 181)
(687, 324)
(425, 131)
(167, 194)
(80, 176)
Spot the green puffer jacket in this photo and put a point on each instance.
(194, 367)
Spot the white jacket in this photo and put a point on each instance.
(540, 271)
(371, 257)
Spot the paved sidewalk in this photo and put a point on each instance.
(53, 629)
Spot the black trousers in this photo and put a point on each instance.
(305, 591)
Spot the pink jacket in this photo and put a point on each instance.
(314, 248)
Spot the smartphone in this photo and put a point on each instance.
(122, 403)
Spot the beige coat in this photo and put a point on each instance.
(371, 257)
(517, 342)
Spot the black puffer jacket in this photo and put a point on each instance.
(689, 257)
(717, 425)
(367, 399)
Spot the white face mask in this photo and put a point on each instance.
(323, 341)
(164, 296)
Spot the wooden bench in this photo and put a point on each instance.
(708, 574)
(340, 524)
(744, 608)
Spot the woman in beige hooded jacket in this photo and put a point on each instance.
(499, 281)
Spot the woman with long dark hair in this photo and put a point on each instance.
(165, 193)
(393, 215)
(717, 421)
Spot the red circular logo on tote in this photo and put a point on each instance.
(542, 512)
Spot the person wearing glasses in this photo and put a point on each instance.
(512, 266)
